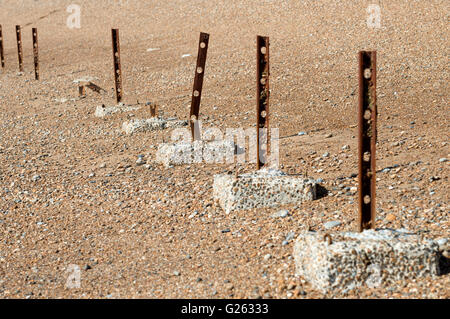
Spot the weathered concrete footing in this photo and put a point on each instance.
(264, 188)
(151, 124)
(372, 258)
(195, 152)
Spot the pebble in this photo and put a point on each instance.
(301, 133)
(282, 213)
(390, 217)
(140, 161)
(332, 224)
(267, 257)
(35, 178)
(176, 273)
(443, 160)
(290, 236)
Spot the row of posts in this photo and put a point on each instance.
(367, 109)
(20, 50)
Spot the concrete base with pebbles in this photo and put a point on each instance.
(368, 259)
(264, 188)
(102, 111)
(195, 152)
(151, 124)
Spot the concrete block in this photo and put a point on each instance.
(264, 188)
(194, 152)
(371, 258)
(151, 124)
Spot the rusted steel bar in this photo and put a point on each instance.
(262, 100)
(35, 53)
(198, 85)
(153, 109)
(367, 126)
(81, 90)
(117, 66)
(2, 56)
(19, 47)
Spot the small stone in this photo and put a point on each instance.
(328, 135)
(282, 213)
(35, 178)
(267, 257)
(176, 273)
(290, 236)
(443, 160)
(326, 154)
(390, 218)
(87, 267)
(140, 161)
(301, 133)
(345, 147)
(332, 224)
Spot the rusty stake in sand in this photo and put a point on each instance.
(262, 100)
(198, 85)
(117, 66)
(35, 53)
(19, 47)
(2, 57)
(367, 118)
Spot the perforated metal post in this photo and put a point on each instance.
(19, 47)
(153, 109)
(262, 100)
(2, 56)
(198, 85)
(35, 53)
(367, 132)
(117, 66)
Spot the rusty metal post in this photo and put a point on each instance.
(2, 56)
(35, 53)
(198, 85)
(117, 66)
(153, 108)
(19, 47)
(262, 100)
(81, 90)
(367, 126)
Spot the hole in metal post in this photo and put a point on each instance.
(263, 50)
(366, 156)
(199, 70)
(367, 114)
(196, 93)
(367, 73)
(202, 45)
(366, 199)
